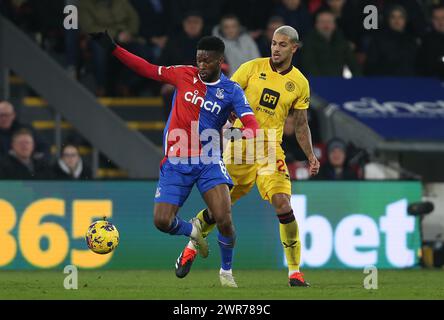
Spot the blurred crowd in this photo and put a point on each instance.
(409, 41)
(24, 155)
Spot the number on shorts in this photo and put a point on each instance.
(281, 166)
(223, 169)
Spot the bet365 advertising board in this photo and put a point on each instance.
(342, 225)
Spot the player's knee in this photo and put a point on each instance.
(281, 204)
(162, 222)
(225, 225)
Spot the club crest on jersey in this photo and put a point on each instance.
(290, 86)
(220, 93)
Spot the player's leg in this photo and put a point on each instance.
(289, 233)
(167, 221)
(243, 178)
(275, 186)
(174, 186)
(219, 203)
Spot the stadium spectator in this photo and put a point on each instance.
(348, 18)
(392, 51)
(253, 14)
(121, 21)
(314, 5)
(326, 51)
(10, 124)
(153, 23)
(19, 163)
(210, 10)
(239, 45)
(431, 55)
(43, 21)
(295, 14)
(264, 41)
(181, 50)
(336, 167)
(416, 23)
(70, 166)
(19, 12)
(181, 47)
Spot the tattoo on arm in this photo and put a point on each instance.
(302, 130)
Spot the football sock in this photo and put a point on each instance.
(289, 232)
(180, 227)
(226, 245)
(207, 223)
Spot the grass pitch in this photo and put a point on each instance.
(204, 285)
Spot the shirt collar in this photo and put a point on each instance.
(283, 72)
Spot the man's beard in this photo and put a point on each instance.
(278, 64)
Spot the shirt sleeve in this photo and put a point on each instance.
(240, 102)
(171, 74)
(303, 100)
(242, 74)
(146, 69)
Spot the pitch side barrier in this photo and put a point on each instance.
(341, 224)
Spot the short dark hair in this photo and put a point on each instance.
(437, 7)
(21, 132)
(230, 16)
(211, 43)
(322, 11)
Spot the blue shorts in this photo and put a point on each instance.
(177, 180)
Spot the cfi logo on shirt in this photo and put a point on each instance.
(157, 193)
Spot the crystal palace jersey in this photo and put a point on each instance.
(198, 106)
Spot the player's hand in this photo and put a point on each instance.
(232, 134)
(313, 165)
(232, 117)
(104, 40)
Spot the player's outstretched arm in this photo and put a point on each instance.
(135, 63)
(303, 135)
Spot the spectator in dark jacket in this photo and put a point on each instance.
(336, 167)
(181, 47)
(121, 21)
(431, 56)
(348, 18)
(181, 50)
(239, 45)
(326, 51)
(19, 163)
(210, 11)
(253, 14)
(392, 52)
(9, 124)
(296, 15)
(153, 23)
(264, 41)
(70, 166)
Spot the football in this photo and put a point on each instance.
(102, 237)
